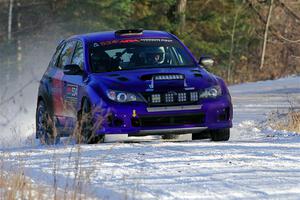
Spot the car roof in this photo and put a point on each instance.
(110, 35)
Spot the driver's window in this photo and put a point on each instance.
(78, 57)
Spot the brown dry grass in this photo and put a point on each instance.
(16, 186)
(14, 183)
(289, 121)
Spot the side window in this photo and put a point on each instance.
(78, 57)
(66, 54)
(56, 55)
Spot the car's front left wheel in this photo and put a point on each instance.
(86, 128)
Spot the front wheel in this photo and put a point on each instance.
(86, 128)
(220, 134)
(202, 135)
(213, 134)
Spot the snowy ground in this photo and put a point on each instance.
(257, 162)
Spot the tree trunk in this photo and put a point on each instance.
(19, 42)
(10, 16)
(229, 74)
(180, 9)
(266, 35)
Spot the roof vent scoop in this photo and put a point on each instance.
(125, 32)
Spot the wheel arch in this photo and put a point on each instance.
(40, 98)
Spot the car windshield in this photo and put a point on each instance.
(130, 54)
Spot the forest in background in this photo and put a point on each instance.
(250, 40)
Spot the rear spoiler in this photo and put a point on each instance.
(125, 32)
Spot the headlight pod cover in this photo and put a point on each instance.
(211, 92)
(122, 97)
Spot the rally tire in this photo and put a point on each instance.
(45, 128)
(220, 134)
(85, 133)
(201, 136)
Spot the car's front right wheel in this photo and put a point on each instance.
(213, 134)
(220, 134)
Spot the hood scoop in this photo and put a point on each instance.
(165, 81)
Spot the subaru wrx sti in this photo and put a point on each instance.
(132, 82)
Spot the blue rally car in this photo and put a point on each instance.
(132, 82)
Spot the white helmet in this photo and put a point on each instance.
(154, 55)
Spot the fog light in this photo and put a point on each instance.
(181, 97)
(155, 98)
(194, 96)
(169, 98)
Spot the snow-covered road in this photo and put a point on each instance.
(257, 163)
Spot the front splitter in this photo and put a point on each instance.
(169, 131)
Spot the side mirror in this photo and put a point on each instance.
(206, 62)
(72, 69)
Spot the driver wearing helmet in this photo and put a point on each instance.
(154, 55)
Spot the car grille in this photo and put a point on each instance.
(171, 98)
(169, 120)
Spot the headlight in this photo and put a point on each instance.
(122, 97)
(211, 92)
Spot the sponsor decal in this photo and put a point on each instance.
(56, 92)
(126, 41)
(156, 40)
(71, 92)
(70, 100)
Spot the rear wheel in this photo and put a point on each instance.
(45, 129)
(85, 133)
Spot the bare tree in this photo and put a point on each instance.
(10, 16)
(180, 9)
(229, 75)
(266, 35)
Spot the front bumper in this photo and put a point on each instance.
(170, 131)
(139, 119)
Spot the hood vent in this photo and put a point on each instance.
(197, 73)
(162, 77)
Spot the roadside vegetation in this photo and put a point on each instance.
(288, 121)
(15, 184)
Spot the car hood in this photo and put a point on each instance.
(140, 80)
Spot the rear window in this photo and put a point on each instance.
(138, 53)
